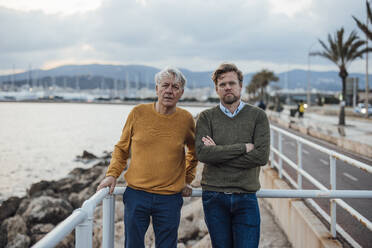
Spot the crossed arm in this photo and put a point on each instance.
(208, 141)
(241, 155)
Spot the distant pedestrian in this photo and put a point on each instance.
(262, 105)
(233, 140)
(156, 136)
(301, 109)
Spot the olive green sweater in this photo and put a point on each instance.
(228, 167)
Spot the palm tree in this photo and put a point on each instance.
(364, 27)
(251, 88)
(261, 80)
(342, 52)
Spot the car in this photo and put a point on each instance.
(361, 109)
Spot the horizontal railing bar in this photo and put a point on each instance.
(62, 229)
(293, 193)
(337, 155)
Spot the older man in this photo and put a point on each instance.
(155, 135)
(233, 140)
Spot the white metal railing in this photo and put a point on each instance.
(333, 156)
(82, 219)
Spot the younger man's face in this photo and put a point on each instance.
(228, 87)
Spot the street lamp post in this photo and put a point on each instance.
(308, 97)
(366, 102)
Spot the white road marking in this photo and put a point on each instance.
(350, 176)
(324, 161)
(305, 151)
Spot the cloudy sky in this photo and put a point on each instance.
(192, 34)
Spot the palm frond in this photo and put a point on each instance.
(342, 51)
(364, 28)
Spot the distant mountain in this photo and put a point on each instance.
(92, 75)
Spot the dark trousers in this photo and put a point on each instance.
(165, 212)
(233, 220)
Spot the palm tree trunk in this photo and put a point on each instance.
(262, 93)
(341, 117)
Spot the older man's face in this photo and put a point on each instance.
(168, 92)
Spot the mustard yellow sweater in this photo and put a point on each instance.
(159, 163)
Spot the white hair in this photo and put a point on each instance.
(170, 71)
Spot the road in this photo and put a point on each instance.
(348, 177)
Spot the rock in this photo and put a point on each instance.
(181, 245)
(42, 228)
(84, 195)
(46, 209)
(75, 200)
(20, 241)
(204, 243)
(150, 236)
(23, 206)
(86, 156)
(106, 155)
(68, 185)
(3, 235)
(39, 231)
(192, 225)
(80, 179)
(9, 207)
(13, 226)
(119, 234)
(67, 242)
(38, 187)
(104, 163)
(199, 170)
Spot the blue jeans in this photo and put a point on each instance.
(165, 211)
(233, 220)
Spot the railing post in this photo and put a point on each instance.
(84, 233)
(280, 154)
(332, 162)
(299, 164)
(272, 144)
(108, 221)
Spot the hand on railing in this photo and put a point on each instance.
(186, 191)
(109, 181)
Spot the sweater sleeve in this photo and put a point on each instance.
(213, 154)
(191, 161)
(121, 151)
(259, 156)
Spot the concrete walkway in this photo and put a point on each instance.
(271, 233)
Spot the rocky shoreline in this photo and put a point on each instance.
(25, 220)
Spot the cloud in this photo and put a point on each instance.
(193, 34)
